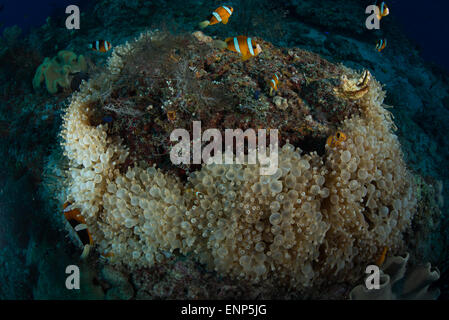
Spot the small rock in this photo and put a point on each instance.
(200, 36)
(280, 102)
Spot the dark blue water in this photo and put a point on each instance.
(425, 23)
(27, 14)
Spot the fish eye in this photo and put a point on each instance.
(338, 134)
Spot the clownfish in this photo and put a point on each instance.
(221, 14)
(244, 45)
(383, 10)
(382, 257)
(381, 44)
(100, 45)
(274, 83)
(336, 139)
(364, 79)
(78, 223)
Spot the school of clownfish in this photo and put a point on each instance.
(247, 48)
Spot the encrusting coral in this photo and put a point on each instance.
(56, 72)
(320, 215)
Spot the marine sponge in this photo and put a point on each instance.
(315, 219)
(398, 283)
(56, 71)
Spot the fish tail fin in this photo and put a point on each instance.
(86, 251)
(220, 44)
(204, 24)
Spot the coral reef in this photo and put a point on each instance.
(318, 217)
(398, 282)
(58, 71)
(30, 120)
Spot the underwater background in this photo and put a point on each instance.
(34, 245)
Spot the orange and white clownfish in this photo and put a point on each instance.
(381, 44)
(244, 45)
(221, 14)
(383, 9)
(100, 45)
(274, 83)
(336, 139)
(78, 223)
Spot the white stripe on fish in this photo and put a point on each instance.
(217, 16)
(227, 9)
(250, 46)
(236, 45)
(80, 227)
